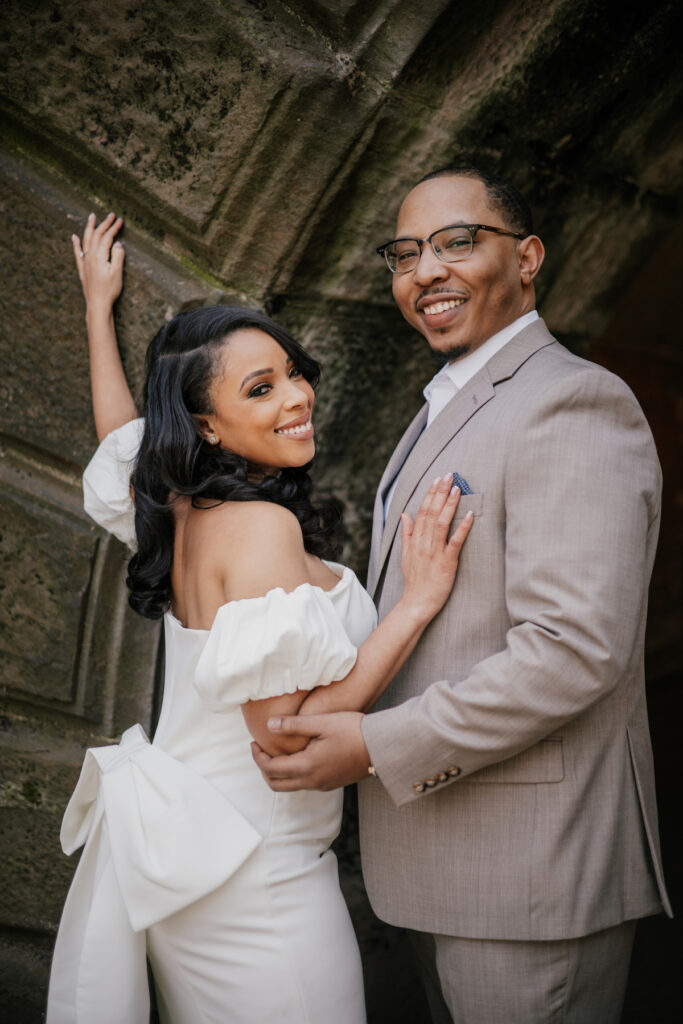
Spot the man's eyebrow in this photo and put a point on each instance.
(453, 224)
(256, 373)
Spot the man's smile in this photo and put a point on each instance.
(439, 309)
(441, 306)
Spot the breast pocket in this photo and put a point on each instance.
(473, 503)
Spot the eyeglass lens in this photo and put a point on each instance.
(450, 245)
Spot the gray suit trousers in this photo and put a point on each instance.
(567, 981)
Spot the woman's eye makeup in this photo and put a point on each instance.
(263, 387)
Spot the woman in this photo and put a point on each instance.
(230, 889)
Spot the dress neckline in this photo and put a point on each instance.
(343, 581)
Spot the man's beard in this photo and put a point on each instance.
(450, 355)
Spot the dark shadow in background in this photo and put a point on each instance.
(642, 344)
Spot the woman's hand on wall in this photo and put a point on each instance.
(99, 261)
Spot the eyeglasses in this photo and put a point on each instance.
(450, 245)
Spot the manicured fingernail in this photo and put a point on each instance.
(436, 480)
(469, 516)
(455, 490)
(117, 245)
(446, 476)
(274, 724)
(91, 216)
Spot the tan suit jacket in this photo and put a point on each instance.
(517, 798)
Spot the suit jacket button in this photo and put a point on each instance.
(453, 772)
(442, 777)
(430, 782)
(419, 787)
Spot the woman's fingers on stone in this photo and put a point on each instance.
(118, 255)
(98, 244)
(105, 224)
(78, 254)
(88, 232)
(99, 238)
(110, 233)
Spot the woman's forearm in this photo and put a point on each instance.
(99, 262)
(379, 659)
(112, 401)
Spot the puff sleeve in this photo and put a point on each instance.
(106, 481)
(268, 646)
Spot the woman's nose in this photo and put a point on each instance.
(299, 394)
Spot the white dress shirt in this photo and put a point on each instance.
(453, 376)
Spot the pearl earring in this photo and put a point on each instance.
(213, 439)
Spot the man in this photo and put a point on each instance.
(511, 825)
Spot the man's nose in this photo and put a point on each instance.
(429, 267)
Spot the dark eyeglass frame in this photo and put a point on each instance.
(472, 228)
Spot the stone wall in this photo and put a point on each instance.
(258, 152)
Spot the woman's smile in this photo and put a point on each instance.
(300, 429)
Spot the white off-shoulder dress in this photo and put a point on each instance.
(231, 890)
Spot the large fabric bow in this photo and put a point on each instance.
(157, 837)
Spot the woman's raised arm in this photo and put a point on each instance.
(99, 261)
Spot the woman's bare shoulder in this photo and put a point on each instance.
(256, 521)
(253, 546)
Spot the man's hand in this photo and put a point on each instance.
(335, 756)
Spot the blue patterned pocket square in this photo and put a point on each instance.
(459, 481)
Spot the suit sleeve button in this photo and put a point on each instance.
(442, 777)
(419, 787)
(430, 782)
(453, 772)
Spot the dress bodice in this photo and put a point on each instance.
(256, 648)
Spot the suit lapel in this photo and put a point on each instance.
(460, 409)
(401, 452)
(472, 397)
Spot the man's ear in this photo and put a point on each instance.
(531, 255)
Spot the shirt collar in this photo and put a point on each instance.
(462, 370)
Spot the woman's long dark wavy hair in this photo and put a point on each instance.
(182, 362)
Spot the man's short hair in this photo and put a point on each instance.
(503, 196)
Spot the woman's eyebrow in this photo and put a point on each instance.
(256, 373)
